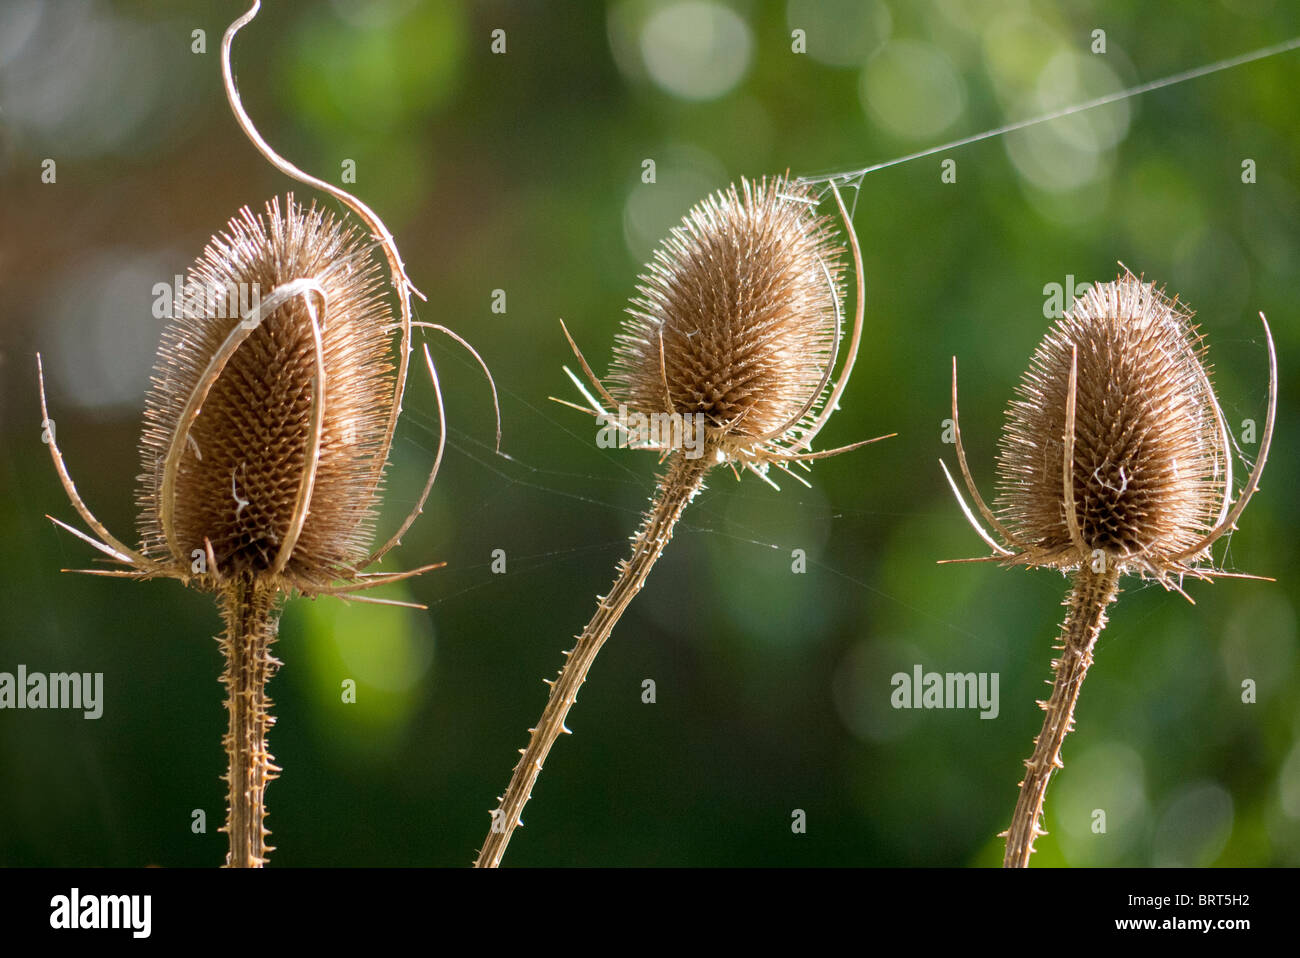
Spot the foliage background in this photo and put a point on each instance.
(522, 172)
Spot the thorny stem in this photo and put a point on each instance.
(684, 478)
(252, 621)
(1089, 598)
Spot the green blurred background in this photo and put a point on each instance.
(522, 172)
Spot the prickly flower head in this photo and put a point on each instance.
(1122, 378)
(265, 437)
(737, 318)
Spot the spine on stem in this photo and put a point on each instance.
(1090, 597)
(252, 622)
(684, 478)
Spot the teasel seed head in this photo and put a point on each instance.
(231, 452)
(739, 319)
(274, 402)
(1119, 393)
(743, 298)
(1148, 451)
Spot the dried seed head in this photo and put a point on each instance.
(1149, 445)
(232, 443)
(738, 316)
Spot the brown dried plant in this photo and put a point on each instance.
(738, 321)
(1115, 459)
(267, 431)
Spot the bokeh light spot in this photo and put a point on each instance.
(912, 90)
(841, 33)
(696, 50)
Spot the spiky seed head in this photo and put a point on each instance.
(745, 295)
(241, 467)
(1148, 453)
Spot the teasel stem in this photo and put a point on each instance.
(683, 479)
(252, 622)
(1090, 597)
